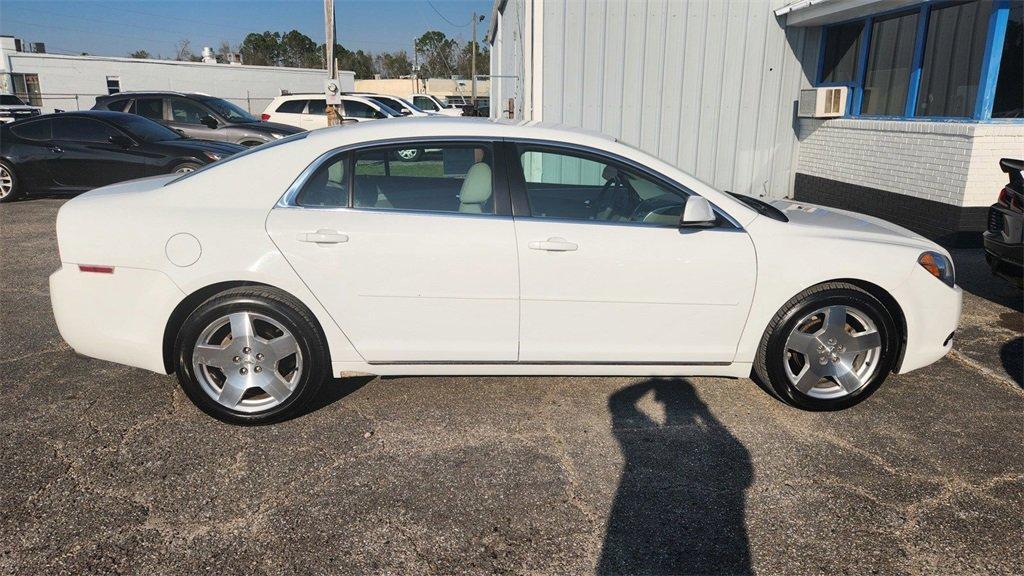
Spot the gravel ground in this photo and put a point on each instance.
(109, 469)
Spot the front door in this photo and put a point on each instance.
(88, 158)
(418, 263)
(188, 116)
(607, 275)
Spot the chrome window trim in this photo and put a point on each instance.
(287, 200)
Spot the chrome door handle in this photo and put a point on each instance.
(553, 245)
(323, 237)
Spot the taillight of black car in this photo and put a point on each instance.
(1011, 199)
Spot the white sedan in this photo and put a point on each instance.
(514, 249)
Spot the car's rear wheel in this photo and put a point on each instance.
(185, 168)
(251, 356)
(828, 348)
(8, 183)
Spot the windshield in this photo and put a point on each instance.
(145, 129)
(10, 100)
(385, 108)
(410, 105)
(229, 111)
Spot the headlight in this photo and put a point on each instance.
(211, 156)
(939, 266)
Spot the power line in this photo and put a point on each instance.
(445, 18)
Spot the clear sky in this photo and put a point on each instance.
(115, 28)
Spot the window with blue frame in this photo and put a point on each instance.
(941, 59)
(1009, 95)
(953, 54)
(890, 56)
(839, 65)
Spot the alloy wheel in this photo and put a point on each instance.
(184, 170)
(832, 352)
(247, 362)
(6, 182)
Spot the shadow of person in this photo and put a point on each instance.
(1012, 357)
(680, 504)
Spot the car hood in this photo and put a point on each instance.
(223, 148)
(268, 127)
(836, 222)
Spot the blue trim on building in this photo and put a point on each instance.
(990, 61)
(915, 67)
(987, 81)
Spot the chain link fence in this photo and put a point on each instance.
(68, 102)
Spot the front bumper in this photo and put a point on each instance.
(118, 317)
(932, 313)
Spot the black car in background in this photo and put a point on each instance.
(1004, 239)
(77, 151)
(198, 116)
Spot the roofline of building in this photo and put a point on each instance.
(168, 62)
(492, 26)
(818, 12)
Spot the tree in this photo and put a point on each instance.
(359, 62)
(437, 55)
(184, 51)
(483, 60)
(299, 51)
(261, 49)
(140, 54)
(393, 64)
(224, 52)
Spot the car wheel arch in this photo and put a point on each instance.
(891, 305)
(191, 302)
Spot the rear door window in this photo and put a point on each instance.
(317, 107)
(443, 178)
(81, 130)
(292, 106)
(36, 130)
(152, 108)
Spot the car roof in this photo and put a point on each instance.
(99, 114)
(453, 127)
(154, 93)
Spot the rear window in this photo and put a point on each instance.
(152, 108)
(34, 130)
(292, 107)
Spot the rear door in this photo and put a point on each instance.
(315, 115)
(415, 261)
(290, 112)
(37, 152)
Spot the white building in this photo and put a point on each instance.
(59, 82)
(933, 94)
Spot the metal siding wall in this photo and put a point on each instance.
(708, 85)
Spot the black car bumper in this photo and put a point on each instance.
(1005, 259)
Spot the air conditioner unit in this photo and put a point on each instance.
(827, 102)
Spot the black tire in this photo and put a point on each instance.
(411, 155)
(15, 192)
(769, 366)
(185, 167)
(277, 306)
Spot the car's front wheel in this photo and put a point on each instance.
(828, 348)
(185, 168)
(251, 356)
(8, 183)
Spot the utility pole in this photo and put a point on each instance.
(332, 70)
(472, 66)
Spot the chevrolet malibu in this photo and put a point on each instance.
(509, 249)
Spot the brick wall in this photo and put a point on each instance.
(936, 178)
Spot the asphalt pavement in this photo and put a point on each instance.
(109, 469)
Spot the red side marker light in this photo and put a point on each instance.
(96, 269)
(264, 117)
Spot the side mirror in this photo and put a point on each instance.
(697, 212)
(121, 140)
(209, 121)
